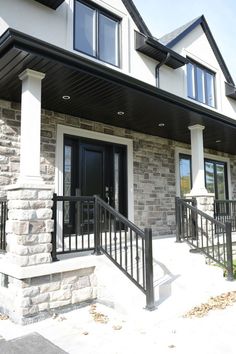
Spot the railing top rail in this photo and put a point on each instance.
(74, 198)
(199, 212)
(121, 217)
(224, 201)
(188, 199)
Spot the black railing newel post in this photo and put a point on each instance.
(150, 300)
(54, 233)
(177, 219)
(97, 250)
(230, 275)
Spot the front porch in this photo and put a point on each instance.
(112, 109)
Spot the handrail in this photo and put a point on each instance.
(122, 218)
(206, 234)
(3, 219)
(74, 198)
(89, 223)
(225, 210)
(136, 247)
(200, 212)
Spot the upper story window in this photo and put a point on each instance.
(201, 84)
(96, 33)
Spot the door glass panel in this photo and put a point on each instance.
(210, 177)
(185, 175)
(200, 85)
(117, 179)
(67, 180)
(108, 40)
(220, 175)
(85, 29)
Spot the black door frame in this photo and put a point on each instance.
(76, 141)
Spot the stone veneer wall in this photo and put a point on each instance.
(154, 163)
(27, 300)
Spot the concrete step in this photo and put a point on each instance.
(182, 279)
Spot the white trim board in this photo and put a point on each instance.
(62, 130)
(179, 151)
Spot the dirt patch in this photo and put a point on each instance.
(216, 302)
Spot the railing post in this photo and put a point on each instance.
(54, 233)
(150, 301)
(177, 219)
(194, 220)
(230, 275)
(97, 240)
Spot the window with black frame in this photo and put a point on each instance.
(96, 32)
(215, 177)
(201, 84)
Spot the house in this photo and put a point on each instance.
(92, 104)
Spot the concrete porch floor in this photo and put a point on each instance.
(182, 280)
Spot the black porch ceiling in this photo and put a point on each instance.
(98, 93)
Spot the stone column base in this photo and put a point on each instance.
(29, 224)
(34, 293)
(205, 203)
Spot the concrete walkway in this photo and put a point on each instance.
(118, 324)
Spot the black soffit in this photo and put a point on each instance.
(53, 4)
(230, 90)
(158, 51)
(98, 93)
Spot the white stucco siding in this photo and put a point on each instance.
(37, 20)
(56, 27)
(196, 46)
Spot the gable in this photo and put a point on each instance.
(172, 40)
(195, 45)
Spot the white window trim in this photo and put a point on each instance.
(124, 35)
(217, 88)
(62, 130)
(179, 151)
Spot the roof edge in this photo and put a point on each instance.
(202, 21)
(137, 18)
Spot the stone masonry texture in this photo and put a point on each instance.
(35, 298)
(29, 226)
(154, 163)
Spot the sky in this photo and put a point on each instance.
(163, 16)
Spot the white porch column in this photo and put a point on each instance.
(197, 160)
(30, 127)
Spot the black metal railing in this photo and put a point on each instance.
(211, 237)
(89, 223)
(3, 219)
(73, 224)
(225, 210)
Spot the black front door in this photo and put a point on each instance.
(93, 176)
(94, 168)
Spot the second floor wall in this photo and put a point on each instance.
(58, 28)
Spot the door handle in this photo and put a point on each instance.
(107, 195)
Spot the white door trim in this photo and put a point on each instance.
(67, 130)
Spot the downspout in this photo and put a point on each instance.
(157, 69)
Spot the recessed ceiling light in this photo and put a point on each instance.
(66, 97)
(161, 124)
(120, 113)
(218, 141)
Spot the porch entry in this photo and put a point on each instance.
(94, 167)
